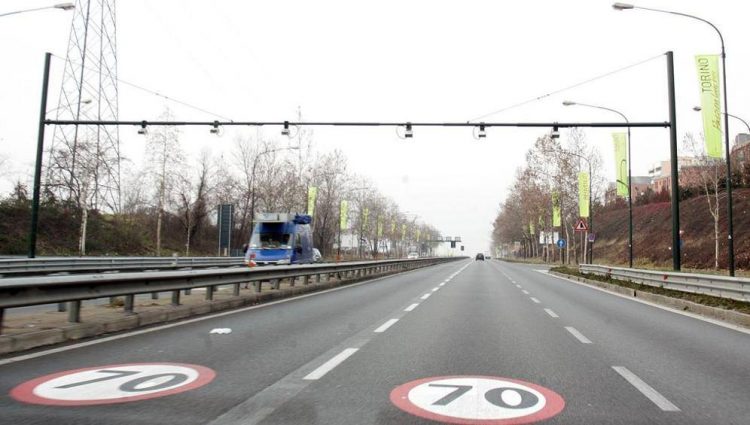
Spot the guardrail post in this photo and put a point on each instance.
(176, 298)
(209, 293)
(128, 306)
(306, 280)
(317, 278)
(258, 284)
(62, 307)
(275, 283)
(187, 291)
(154, 295)
(292, 280)
(2, 316)
(74, 313)
(236, 290)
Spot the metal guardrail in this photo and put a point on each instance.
(735, 288)
(28, 291)
(50, 265)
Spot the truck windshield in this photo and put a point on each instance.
(270, 240)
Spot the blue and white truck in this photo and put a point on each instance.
(280, 238)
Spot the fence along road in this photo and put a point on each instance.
(29, 291)
(736, 288)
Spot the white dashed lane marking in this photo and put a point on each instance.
(551, 313)
(385, 326)
(525, 292)
(646, 389)
(425, 296)
(330, 364)
(579, 336)
(411, 307)
(435, 288)
(535, 300)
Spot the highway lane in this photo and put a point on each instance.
(335, 358)
(265, 344)
(699, 364)
(478, 324)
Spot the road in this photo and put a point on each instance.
(345, 357)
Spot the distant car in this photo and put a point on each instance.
(412, 256)
(317, 258)
(480, 256)
(487, 257)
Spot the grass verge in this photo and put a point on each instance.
(709, 300)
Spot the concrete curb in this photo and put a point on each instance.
(76, 331)
(729, 316)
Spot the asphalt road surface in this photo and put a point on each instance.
(466, 342)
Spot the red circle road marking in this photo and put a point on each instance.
(25, 392)
(554, 403)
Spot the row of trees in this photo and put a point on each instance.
(550, 171)
(167, 202)
(551, 168)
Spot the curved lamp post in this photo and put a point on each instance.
(61, 6)
(630, 184)
(730, 221)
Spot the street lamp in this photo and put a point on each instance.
(730, 221)
(630, 184)
(698, 109)
(61, 6)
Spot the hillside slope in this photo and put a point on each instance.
(652, 233)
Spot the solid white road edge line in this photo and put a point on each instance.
(385, 326)
(579, 336)
(646, 389)
(411, 307)
(551, 313)
(330, 364)
(659, 306)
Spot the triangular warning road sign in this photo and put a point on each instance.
(581, 226)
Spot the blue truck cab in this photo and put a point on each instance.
(280, 238)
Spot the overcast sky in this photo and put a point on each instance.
(391, 61)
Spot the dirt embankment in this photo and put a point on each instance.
(652, 233)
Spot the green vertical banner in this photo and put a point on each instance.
(531, 227)
(556, 218)
(344, 215)
(708, 77)
(380, 227)
(312, 193)
(403, 232)
(620, 141)
(365, 218)
(583, 194)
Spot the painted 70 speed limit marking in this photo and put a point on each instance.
(118, 383)
(477, 400)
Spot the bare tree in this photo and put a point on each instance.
(165, 159)
(194, 199)
(707, 175)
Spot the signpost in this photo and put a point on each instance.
(225, 225)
